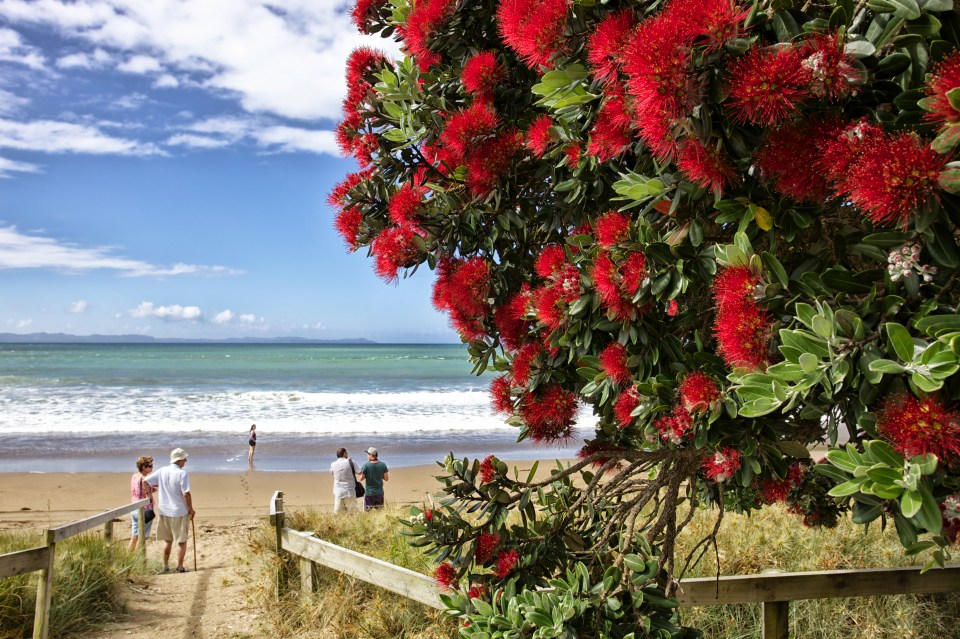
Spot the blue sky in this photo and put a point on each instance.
(164, 166)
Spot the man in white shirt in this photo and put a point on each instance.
(175, 507)
(344, 483)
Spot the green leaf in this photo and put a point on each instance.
(926, 464)
(929, 514)
(936, 5)
(907, 9)
(899, 338)
(910, 503)
(775, 268)
(946, 140)
(882, 451)
(859, 48)
(793, 449)
(841, 459)
(882, 474)
(847, 488)
(886, 366)
(953, 95)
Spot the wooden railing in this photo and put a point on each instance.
(42, 557)
(774, 591)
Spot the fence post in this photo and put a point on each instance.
(306, 577)
(142, 530)
(776, 619)
(41, 617)
(278, 520)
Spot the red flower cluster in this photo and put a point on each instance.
(920, 426)
(626, 402)
(946, 77)
(422, 21)
(722, 466)
(831, 73)
(351, 136)
(465, 128)
(560, 289)
(766, 85)
(500, 395)
(792, 158)
(612, 131)
(549, 413)
(533, 28)
(741, 327)
(705, 166)
(404, 205)
(538, 137)
(505, 563)
(675, 427)
(612, 228)
(776, 490)
(461, 289)
(605, 45)
(617, 284)
(511, 320)
(486, 545)
(613, 362)
(395, 248)
(488, 161)
(446, 576)
(698, 392)
(487, 470)
(363, 12)
(481, 74)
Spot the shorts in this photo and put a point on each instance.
(173, 528)
(344, 504)
(372, 501)
(253, 443)
(136, 525)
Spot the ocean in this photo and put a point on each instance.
(97, 407)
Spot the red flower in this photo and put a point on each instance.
(706, 166)
(616, 291)
(362, 11)
(538, 135)
(792, 157)
(465, 127)
(488, 161)
(551, 309)
(486, 545)
(361, 64)
(500, 395)
(919, 427)
(672, 308)
(613, 362)
(523, 363)
(675, 427)
(698, 392)
(741, 327)
(395, 248)
(481, 73)
(461, 289)
(633, 272)
(404, 205)
(711, 23)
(505, 563)
(894, 178)
(338, 196)
(605, 45)
(776, 490)
(765, 86)
(550, 414)
(422, 21)
(612, 228)
(627, 400)
(446, 576)
(487, 470)
(572, 151)
(611, 134)
(657, 59)
(722, 465)
(477, 591)
(348, 223)
(533, 28)
(510, 320)
(428, 514)
(946, 77)
(551, 260)
(832, 74)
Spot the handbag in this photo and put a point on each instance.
(357, 486)
(148, 516)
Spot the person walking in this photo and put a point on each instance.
(175, 510)
(373, 474)
(344, 483)
(253, 443)
(140, 489)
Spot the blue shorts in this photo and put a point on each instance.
(136, 525)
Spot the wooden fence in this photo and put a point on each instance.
(42, 557)
(774, 591)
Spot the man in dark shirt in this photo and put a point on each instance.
(373, 474)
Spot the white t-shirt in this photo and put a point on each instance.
(172, 482)
(344, 479)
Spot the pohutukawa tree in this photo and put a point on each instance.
(730, 229)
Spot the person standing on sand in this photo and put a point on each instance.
(344, 483)
(140, 489)
(373, 474)
(253, 443)
(175, 509)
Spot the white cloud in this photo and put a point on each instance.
(96, 59)
(196, 141)
(65, 137)
(22, 251)
(223, 131)
(10, 103)
(10, 166)
(80, 306)
(291, 139)
(140, 64)
(166, 81)
(283, 57)
(12, 49)
(130, 102)
(223, 317)
(249, 319)
(24, 323)
(174, 312)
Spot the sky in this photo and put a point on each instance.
(164, 167)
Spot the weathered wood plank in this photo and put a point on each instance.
(776, 620)
(21, 561)
(380, 573)
(75, 528)
(709, 591)
(41, 615)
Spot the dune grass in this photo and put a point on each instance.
(772, 539)
(87, 588)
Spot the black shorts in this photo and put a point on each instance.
(372, 501)
(253, 442)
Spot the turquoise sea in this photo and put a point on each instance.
(96, 407)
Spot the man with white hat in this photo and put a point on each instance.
(373, 474)
(175, 508)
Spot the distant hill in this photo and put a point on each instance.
(64, 338)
